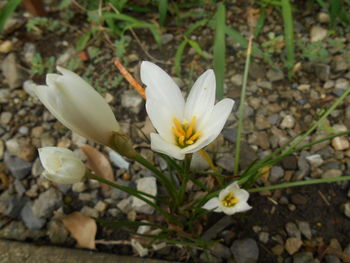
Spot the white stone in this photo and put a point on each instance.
(118, 160)
(317, 33)
(149, 186)
(315, 160)
(288, 122)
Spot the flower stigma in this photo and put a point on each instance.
(229, 200)
(185, 133)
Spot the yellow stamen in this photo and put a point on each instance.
(229, 200)
(189, 142)
(191, 127)
(195, 136)
(179, 127)
(176, 132)
(181, 140)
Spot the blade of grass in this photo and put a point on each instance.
(260, 23)
(162, 9)
(242, 107)
(7, 11)
(178, 57)
(219, 49)
(195, 45)
(288, 35)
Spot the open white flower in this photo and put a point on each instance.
(231, 200)
(78, 106)
(183, 127)
(61, 165)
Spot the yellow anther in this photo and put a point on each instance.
(189, 142)
(176, 132)
(195, 136)
(179, 127)
(191, 127)
(229, 200)
(181, 140)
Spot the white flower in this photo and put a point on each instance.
(231, 200)
(61, 165)
(78, 106)
(183, 127)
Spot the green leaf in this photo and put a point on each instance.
(178, 57)
(82, 41)
(7, 11)
(162, 9)
(220, 49)
(198, 49)
(288, 35)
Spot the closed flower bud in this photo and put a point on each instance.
(61, 165)
(78, 106)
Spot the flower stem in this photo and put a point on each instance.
(185, 178)
(242, 107)
(299, 183)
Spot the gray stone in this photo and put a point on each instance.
(118, 160)
(245, 251)
(19, 187)
(18, 167)
(166, 38)
(89, 211)
(317, 33)
(275, 75)
(147, 185)
(11, 205)
(5, 95)
(37, 168)
(56, 232)
(219, 250)
(332, 173)
(261, 122)
(13, 74)
(131, 100)
(288, 122)
(331, 259)
(315, 160)
(303, 257)
(29, 219)
(2, 149)
(264, 237)
(322, 71)
(79, 187)
(226, 161)
(5, 117)
(293, 230)
(230, 134)
(29, 52)
(237, 80)
(305, 229)
(276, 173)
(47, 202)
(346, 208)
(15, 230)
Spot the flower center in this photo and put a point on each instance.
(185, 132)
(229, 200)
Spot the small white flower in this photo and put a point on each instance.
(231, 200)
(61, 165)
(78, 106)
(183, 127)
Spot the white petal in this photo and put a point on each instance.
(212, 204)
(200, 101)
(217, 120)
(241, 194)
(158, 144)
(161, 118)
(239, 207)
(78, 106)
(160, 86)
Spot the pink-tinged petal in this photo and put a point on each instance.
(200, 101)
(158, 144)
(162, 88)
(212, 204)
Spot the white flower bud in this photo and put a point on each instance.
(61, 165)
(78, 106)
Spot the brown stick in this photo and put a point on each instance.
(133, 82)
(35, 7)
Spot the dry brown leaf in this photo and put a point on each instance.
(98, 163)
(82, 228)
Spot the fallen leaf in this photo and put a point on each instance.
(98, 163)
(82, 228)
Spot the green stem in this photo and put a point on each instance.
(185, 178)
(242, 107)
(299, 183)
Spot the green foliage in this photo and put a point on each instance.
(162, 9)
(40, 66)
(44, 23)
(6, 11)
(288, 35)
(220, 49)
(316, 51)
(338, 11)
